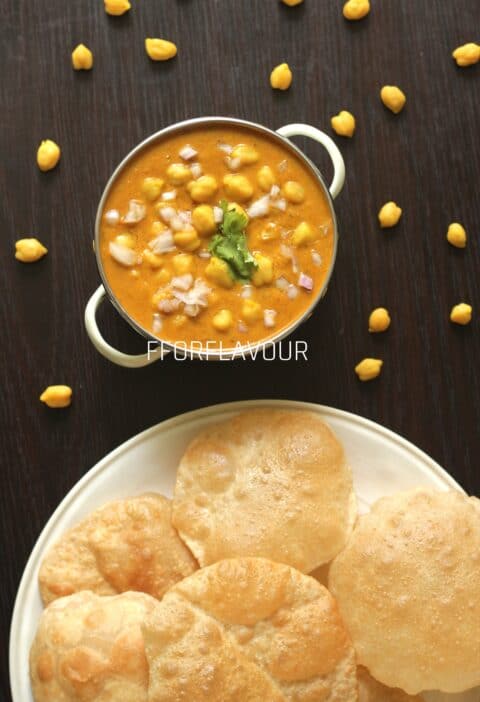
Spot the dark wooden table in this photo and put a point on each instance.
(427, 159)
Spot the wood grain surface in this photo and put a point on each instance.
(427, 159)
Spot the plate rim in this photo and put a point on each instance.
(170, 423)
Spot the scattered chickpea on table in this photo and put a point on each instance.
(356, 9)
(461, 314)
(467, 55)
(82, 58)
(344, 124)
(393, 98)
(29, 250)
(368, 369)
(457, 236)
(57, 396)
(379, 320)
(292, 3)
(116, 7)
(160, 49)
(389, 215)
(48, 155)
(281, 77)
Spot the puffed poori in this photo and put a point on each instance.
(408, 589)
(128, 544)
(91, 648)
(370, 690)
(249, 630)
(270, 483)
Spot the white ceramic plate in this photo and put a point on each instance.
(382, 463)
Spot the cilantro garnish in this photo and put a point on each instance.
(230, 243)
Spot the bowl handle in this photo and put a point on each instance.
(290, 130)
(107, 351)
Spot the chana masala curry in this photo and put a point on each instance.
(218, 235)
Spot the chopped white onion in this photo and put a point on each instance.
(112, 217)
(167, 213)
(195, 296)
(204, 254)
(305, 281)
(269, 317)
(182, 282)
(167, 305)
(292, 292)
(259, 208)
(316, 258)
(247, 291)
(187, 152)
(136, 212)
(282, 283)
(226, 148)
(122, 254)
(288, 253)
(196, 170)
(280, 204)
(186, 216)
(163, 243)
(178, 224)
(157, 323)
(218, 214)
(233, 163)
(169, 195)
(275, 191)
(191, 310)
(282, 166)
(242, 327)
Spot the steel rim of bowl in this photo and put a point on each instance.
(247, 348)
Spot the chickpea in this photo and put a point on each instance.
(389, 215)
(293, 191)
(157, 228)
(163, 277)
(457, 236)
(57, 396)
(263, 274)
(281, 77)
(223, 320)
(116, 7)
(151, 188)
(179, 173)
(393, 98)
(153, 260)
(467, 55)
(218, 272)
(29, 250)
(128, 240)
(356, 9)
(379, 320)
(238, 187)
(304, 234)
(265, 178)
(368, 369)
(203, 188)
(245, 154)
(160, 49)
(82, 58)
(48, 155)
(183, 263)
(188, 240)
(343, 124)
(461, 314)
(251, 310)
(203, 220)
(292, 3)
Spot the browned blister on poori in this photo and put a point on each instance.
(128, 544)
(271, 483)
(252, 630)
(408, 588)
(91, 648)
